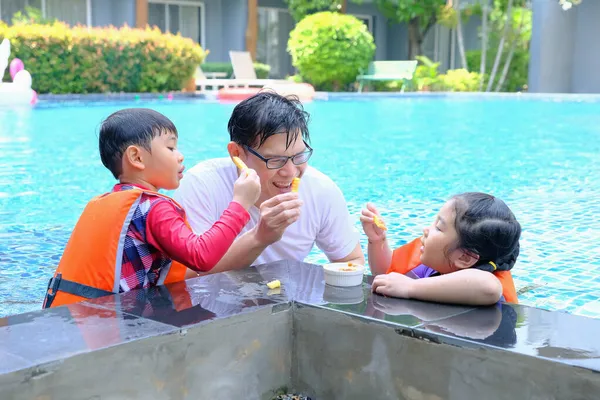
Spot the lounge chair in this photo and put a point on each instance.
(388, 71)
(243, 70)
(214, 80)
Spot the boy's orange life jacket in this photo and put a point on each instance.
(91, 263)
(408, 257)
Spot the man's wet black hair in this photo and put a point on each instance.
(130, 127)
(265, 114)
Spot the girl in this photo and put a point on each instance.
(473, 234)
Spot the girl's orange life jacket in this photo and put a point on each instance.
(408, 257)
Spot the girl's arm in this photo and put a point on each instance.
(467, 286)
(379, 253)
(380, 256)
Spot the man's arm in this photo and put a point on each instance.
(356, 256)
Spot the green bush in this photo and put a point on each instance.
(62, 59)
(426, 74)
(295, 79)
(518, 71)
(262, 70)
(329, 49)
(457, 80)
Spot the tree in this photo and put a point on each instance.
(511, 52)
(484, 42)
(507, 25)
(420, 15)
(301, 8)
(459, 37)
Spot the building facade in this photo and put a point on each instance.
(259, 26)
(565, 48)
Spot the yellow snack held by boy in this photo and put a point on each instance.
(295, 184)
(379, 222)
(239, 163)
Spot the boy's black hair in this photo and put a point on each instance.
(127, 127)
(265, 114)
(488, 228)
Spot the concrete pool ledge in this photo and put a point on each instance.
(228, 336)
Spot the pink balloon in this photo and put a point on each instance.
(16, 65)
(34, 98)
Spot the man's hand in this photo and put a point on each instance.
(276, 214)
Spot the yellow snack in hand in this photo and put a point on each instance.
(379, 223)
(295, 184)
(274, 284)
(239, 163)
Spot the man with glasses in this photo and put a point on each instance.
(270, 134)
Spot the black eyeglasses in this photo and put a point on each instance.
(279, 162)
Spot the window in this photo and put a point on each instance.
(72, 12)
(267, 46)
(368, 20)
(274, 27)
(8, 8)
(185, 17)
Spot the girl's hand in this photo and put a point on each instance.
(373, 232)
(393, 284)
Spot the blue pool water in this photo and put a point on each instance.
(407, 155)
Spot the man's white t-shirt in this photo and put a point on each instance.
(207, 189)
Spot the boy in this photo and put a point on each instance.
(134, 237)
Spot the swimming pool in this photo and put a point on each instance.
(407, 155)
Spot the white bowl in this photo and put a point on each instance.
(341, 274)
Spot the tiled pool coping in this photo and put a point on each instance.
(119, 96)
(210, 95)
(46, 336)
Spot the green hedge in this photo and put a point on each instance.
(62, 59)
(262, 70)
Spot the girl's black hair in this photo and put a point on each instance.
(488, 228)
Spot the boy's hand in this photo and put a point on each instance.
(393, 284)
(373, 232)
(246, 189)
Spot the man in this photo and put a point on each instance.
(269, 133)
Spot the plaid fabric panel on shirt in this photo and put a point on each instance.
(142, 262)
